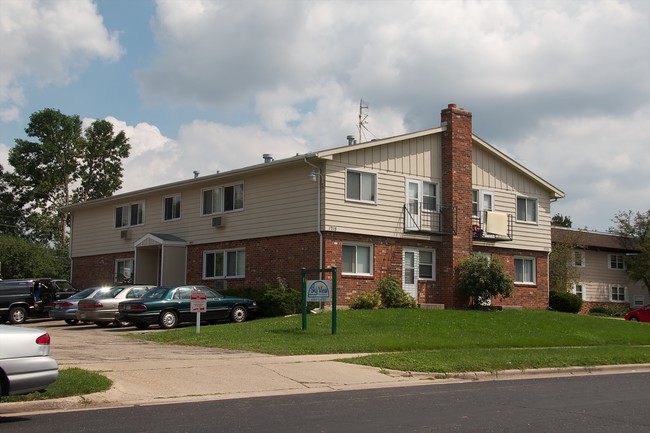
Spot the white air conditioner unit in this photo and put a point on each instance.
(218, 222)
(125, 234)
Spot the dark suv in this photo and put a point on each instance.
(33, 297)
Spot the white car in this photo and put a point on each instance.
(25, 362)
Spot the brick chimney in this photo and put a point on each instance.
(456, 154)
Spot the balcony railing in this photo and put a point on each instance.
(492, 226)
(421, 219)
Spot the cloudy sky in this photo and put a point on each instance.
(561, 86)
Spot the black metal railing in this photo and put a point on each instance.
(483, 231)
(421, 218)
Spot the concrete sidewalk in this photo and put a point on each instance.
(146, 373)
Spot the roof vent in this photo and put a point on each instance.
(351, 140)
(267, 158)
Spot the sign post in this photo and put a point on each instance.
(198, 305)
(318, 291)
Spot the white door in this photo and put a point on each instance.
(410, 272)
(413, 199)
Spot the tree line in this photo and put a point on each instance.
(61, 163)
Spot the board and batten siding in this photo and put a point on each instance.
(393, 163)
(493, 174)
(281, 202)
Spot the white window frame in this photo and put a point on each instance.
(581, 292)
(219, 192)
(432, 265)
(175, 209)
(480, 204)
(620, 262)
(356, 263)
(120, 266)
(226, 256)
(618, 296)
(579, 258)
(524, 260)
(368, 176)
(638, 301)
(527, 200)
(127, 221)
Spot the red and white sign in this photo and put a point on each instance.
(198, 302)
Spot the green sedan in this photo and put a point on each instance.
(169, 306)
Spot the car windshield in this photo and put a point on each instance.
(156, 293)
(84, 293)
(108, 293)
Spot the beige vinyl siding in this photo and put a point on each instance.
(281, 202)
(393, 163)
(596, 278)
(507, 183)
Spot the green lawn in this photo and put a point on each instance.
(436, 340)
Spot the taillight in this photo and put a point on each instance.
(43, 339)
(62, 304)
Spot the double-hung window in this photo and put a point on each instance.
(357, 259)
(361, 186)
(427, 264)
(617, 261)
(482, 201)
(525, 270)
(123, 271)
(223, 199)
(526, 209)
(579, 290)
(579, 258)
(129, 215)
(224, 264)
(172, 207)
(617, 293)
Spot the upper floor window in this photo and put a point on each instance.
(617, 293)
(526, 209)
(361, 186)
(357, 259)
(172, 207)
(223, 199)
(525, 270)
(579, 258)
(225, 263)
(129, 215)
(616, 261)
(482, 201)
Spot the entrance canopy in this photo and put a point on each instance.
(160, 259)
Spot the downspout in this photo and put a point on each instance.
(318, 174)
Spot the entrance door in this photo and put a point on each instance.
(410, 272)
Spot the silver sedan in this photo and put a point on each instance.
(25, 362)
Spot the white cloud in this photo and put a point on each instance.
(48, 42)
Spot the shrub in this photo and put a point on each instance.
(608, 310)
(366, 301)
(565, 302)
(392, 295)
(481, 279)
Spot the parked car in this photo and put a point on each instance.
(169, 306)
(30, 297)
(640, 314)
(101, 307)
(25, 362)
(66, 309)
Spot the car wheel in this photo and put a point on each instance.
(238, 314)
(634, 319)
(102, 324)
(120, 323)
(168, 319)
(142, 325)
(71, 322)
(17, 315)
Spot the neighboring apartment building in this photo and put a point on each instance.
(600, 261)
(411, 206)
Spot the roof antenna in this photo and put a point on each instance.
(363, 115)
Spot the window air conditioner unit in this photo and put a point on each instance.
(125, 234)
(217, 222)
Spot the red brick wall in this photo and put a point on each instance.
(96, 271)
(456, 154)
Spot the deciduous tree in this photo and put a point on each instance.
(635, 227)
